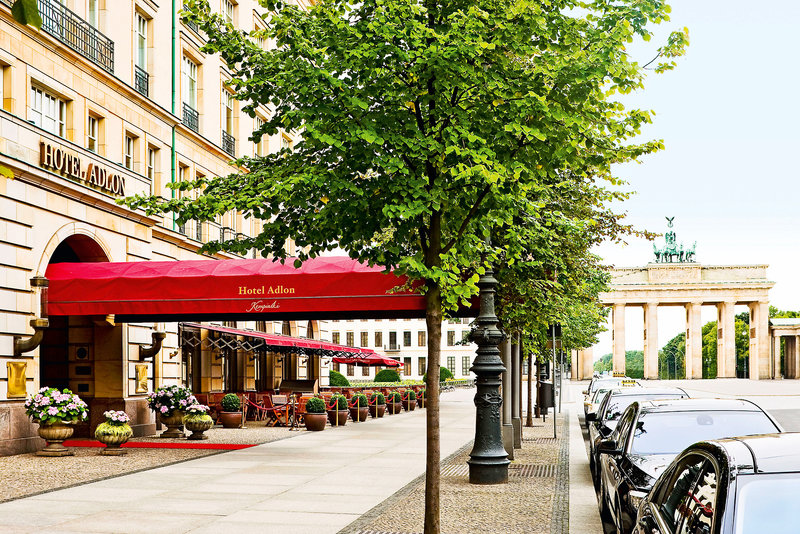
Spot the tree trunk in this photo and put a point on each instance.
(433, 318)
(538, 374)
(529, 416)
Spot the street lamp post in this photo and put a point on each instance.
(488, 461)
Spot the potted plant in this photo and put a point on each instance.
(409, 400)
(421, 398)
(337, 410)
(393, 402)
(315, 416)
(169, 403)
(197, 420)
(377, 406)
(55, 410)
(359, 407)
(114, 431)
(231, 415)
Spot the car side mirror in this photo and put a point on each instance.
(591, 416)
(608, 446)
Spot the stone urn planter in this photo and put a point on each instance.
(113, 432)
(55, 434)
(197, 424)
(377, 405)
(174, 424)
(359, 408)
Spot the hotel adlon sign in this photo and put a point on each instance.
(58, 160)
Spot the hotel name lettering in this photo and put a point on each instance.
(69, 165)
(246, 291)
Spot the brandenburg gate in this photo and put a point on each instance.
(675, 280)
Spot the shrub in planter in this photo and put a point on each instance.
(387, 375)
(421, 398)
(338, 380)
(393, 403)
(377, 406)
(359, 407)
(169, 403)
(337, 414)
(315, 416)
(409, 400)
(231, 416)
(197, 421)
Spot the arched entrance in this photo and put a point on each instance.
(68, 352)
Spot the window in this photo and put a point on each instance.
(92, 129)
(47, 111)
(261, 146)
(286, 142)
(421, 338)
(129, 151)
(351, 339)
(93, 11)
(393, 340)
(407, 338)
(465, 365)
(688, 504)
(189, 83)
(451, 364)
(141, 42)
(151, 164)
(465, 335)
(421, 366)
(227, 111)
(351, 369)
(378, 339)
(228, 10)
(365, 339)
(407, 366)
(365, 371)
(335, 337)
(451, 338)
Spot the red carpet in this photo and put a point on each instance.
(160, 445)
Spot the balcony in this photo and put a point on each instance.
(228, 144)
(191, 118)
(71, 30)
(226, 233)
(393, 347)
(141, 80)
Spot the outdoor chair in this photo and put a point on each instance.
(277, 410)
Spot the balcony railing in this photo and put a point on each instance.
(68, 28)
(191, 118)
(142, 80)
(226, 233)
(189, 24)
(393, 347)
(228, 143)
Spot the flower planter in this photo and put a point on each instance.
(55, 434)
(394, 407)
(338, 417)
(359, 414)
(409, 405)
(421, 402)
(230, 419)
(377, 410)
(174, 424)
(113, 436)
(198, 424)
(315, 421)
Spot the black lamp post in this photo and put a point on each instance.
(488, 461)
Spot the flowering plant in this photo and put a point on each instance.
(116, 418)
(196, 409)
(51, 405)
(168, 399)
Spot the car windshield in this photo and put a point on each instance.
(605, 383)
(598, 396)
(618, 403)
(766, 503)
(671, 432)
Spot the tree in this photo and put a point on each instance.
(634, 363)
(427, 127)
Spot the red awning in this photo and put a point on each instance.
(371, 360)
(324, 287)
(278, 340)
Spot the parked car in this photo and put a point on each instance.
(604, 420)
(649, 435)
(745, 485)
(604, 383)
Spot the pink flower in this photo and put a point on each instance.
(52, 410)
(164, 409)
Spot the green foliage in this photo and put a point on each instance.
(393, 397)
(359, 400)
(337, 379)
(107, 429)
(197, 417)
(387, 375)
(634, 363)
(709, 350)
(315, 405)
(378, 398)
(411, 395)
(27, 12)
(230, 403)
(672, 358)
(444, 374)
(339, 402)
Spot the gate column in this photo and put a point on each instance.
(651, 340)
(586, 363)
(618, 358)
(694, 341)
(726, 340)
(759, 340)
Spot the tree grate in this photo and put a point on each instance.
(547, 441)
(381, 532)
(514, 470)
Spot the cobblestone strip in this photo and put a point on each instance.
(559, 523)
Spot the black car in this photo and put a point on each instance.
(604, 383)
(602, 422)
(746, 485)
(651, 434)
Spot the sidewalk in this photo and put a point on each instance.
(584, 517)
(314, 482)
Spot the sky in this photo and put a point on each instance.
(729, 116)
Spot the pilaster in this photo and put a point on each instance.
(694, 341)
(651, 340)
(618, 318)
